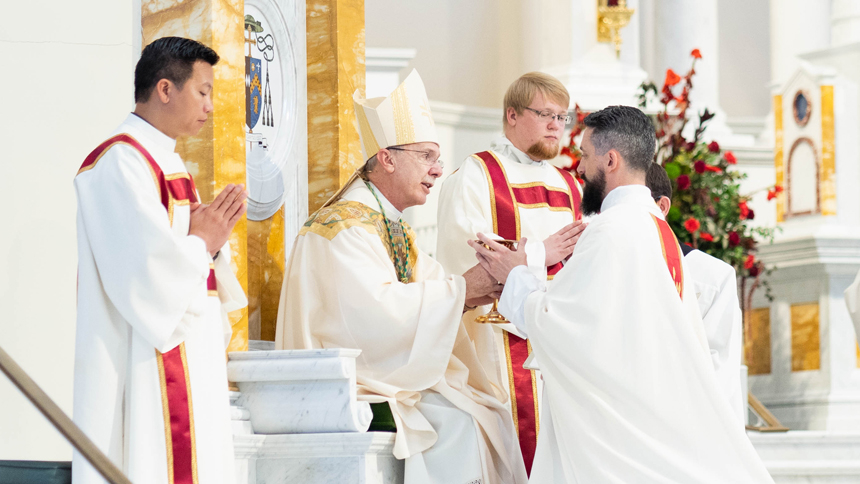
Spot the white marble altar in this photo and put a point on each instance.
(296, 419)
(299, 391)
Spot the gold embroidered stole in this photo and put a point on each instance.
(344, 214)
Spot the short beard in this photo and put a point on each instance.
(593, 194)
(543, 151)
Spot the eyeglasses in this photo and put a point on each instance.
(423, 158)
(547, 116)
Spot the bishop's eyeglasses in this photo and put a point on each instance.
(547, 116)
(423, 157)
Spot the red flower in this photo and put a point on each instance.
(692, 225)
(671, 78)
(715, 169)
(683, 182)
(745, 210)
(730, 158)
(714, 147)
(706, 236)
(772, 193)
(750, 215)
(699, 166)
(750, 262)
(691, 146)
(696, 54)
(734, 239)
(754, 270)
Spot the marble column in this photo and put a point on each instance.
(216, 156)
(679, 27)
(796, 27)
(335, 47)
(844, 22)
(561, 39)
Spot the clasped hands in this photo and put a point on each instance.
(485, 281)
(214, 222)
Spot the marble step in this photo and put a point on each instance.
(343, 458)
(809, 457)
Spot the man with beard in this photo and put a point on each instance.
(715, 283)
(512, 191)
(630, 390)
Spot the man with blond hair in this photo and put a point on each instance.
(512, 191)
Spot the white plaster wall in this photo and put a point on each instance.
(67, 82)
(744, 57)
(462, 131)
(467, 52)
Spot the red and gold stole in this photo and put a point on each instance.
(506, 200)
(671, 253)
(174, 189)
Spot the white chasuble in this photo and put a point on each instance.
(716, 286)
(629, 382)
(342, 290)
(503, 192)
(150, 374)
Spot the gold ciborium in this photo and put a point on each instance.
(494, 316)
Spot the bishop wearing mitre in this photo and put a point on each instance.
(357, 279)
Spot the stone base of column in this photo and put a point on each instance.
(803, 353)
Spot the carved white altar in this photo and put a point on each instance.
(296, 418)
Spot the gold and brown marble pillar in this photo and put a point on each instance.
(335, 47)
(266, 261)
(216, 156)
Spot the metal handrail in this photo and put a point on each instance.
(61, 421)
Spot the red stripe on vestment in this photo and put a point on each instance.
(182, 188)
(540, 194)
(504, 212)
(523, 395)
(671, 254)
(179, 416)
(157, 174)
(526, 398)
(575, 196)
(211, 282)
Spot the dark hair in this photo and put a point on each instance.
(658, 181)
(627, 130)
(169, 58)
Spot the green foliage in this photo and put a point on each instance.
(713, 198)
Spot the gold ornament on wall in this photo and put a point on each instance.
(612, 16)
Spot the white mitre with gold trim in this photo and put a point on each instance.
(400, 119)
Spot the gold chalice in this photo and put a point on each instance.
(494, 316)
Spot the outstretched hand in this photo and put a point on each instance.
(498, 260)
(560, 245)
(214, 222)
(480, 286)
